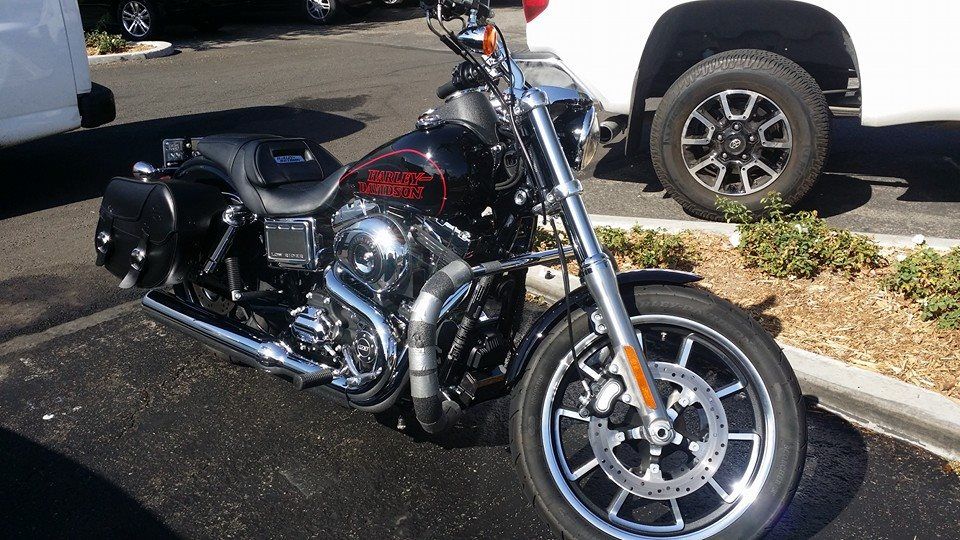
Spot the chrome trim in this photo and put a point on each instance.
(310, 239)
(144, 171)
(346, 295)
(596, 269)
(228, 336)
(550, 256)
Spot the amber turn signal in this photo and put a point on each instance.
(642, 382)
(489, 40)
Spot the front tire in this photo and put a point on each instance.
(741, 124)
(581, 489)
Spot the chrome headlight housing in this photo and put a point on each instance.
(579, 132)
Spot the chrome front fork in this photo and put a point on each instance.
(627, 353)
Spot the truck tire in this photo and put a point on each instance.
(741, 124)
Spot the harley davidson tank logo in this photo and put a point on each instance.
(401, 185)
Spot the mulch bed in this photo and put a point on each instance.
(853, 320)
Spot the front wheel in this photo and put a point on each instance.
(735, 405)
(740, 125)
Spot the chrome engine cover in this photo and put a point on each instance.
(373, 250)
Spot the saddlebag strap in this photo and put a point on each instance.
(138, 261)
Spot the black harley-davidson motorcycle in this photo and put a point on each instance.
(641, 406)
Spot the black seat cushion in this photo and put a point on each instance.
(276, 176)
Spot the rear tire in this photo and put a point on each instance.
(139, 19)
(677, 136)
(783, 455)
(322, 11)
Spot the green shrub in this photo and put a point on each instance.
(644, 248)
(799, 244)
(105, 43)
(931, 279)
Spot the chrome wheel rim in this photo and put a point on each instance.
(602, 481)
(135, 18)
(736, 142)
(318, 9)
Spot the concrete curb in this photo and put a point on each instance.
(160, 48)
(728, 229)
(883, 404)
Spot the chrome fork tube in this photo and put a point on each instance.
(598, 273)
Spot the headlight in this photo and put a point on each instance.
(579, 133)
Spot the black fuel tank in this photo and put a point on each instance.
(442, 171)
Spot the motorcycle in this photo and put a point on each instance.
(641, 405)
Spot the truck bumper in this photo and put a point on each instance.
(97, 107)
(547, 69)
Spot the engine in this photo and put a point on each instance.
(377, 269)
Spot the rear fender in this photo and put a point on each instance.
(580, 299)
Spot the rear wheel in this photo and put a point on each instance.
(139, 19)
(734, 403)
(322, 11)
(741, 124)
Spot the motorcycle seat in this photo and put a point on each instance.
(276, 176)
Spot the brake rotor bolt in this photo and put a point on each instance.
(684, 402)
(614, 368)
(694, 447)
(621, 437)
(584, 412)
(626, 398)
(654, 468)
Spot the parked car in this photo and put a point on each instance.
(45, 83)
(748, 86)
(142, 19)
(318, 11)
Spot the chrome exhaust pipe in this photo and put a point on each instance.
(254, 347)
(612, 127)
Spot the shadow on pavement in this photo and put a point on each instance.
(76, 166)
(832, 475)
(44, 494)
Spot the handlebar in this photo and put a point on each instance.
(464, 76)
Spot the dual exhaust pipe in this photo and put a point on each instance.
(243, 343)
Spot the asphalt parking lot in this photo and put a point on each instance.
(149, 435)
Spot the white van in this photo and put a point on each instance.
(45, 83)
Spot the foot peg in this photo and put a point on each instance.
(317, 378)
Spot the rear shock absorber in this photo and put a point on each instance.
(234, 279)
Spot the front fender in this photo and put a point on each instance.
(580, 299)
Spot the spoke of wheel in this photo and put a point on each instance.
(678, 519)
(729, 389)
(726, 105)
(583, 469)
(685, 347)
(703, 163)
(762, 131)
(747, 111)
(617, 503)
(720, 176)
(745, 178)
(695, 142)
(727, 498)
(567, 413)
(766, 168)
(710, 123)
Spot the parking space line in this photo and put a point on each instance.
(28, 341)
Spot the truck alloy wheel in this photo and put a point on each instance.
(138, 19)
(741, 124)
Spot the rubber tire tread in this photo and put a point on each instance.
(750, 62)
(565, 522)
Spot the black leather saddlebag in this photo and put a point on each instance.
(151, 234)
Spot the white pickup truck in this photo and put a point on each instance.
(45, 83)
(746, 88)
